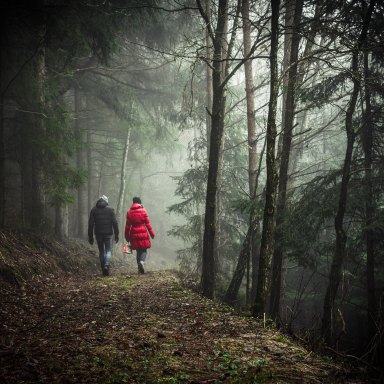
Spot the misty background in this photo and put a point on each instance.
(130, 98)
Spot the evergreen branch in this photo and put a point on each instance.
(130, 85)
(181, 8)
(38, 46)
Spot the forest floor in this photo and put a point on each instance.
(129, 328)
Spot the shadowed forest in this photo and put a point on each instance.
(252, 132)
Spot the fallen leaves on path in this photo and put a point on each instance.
(141, 329)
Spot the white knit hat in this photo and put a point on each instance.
(105, 198)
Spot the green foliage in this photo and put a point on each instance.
(310, 212)
(228, 363)
(246, 206)
(191, 188)
(319, 94)
(56, 148)
(178, 378)
(233, 217)
(237, 370)
(283, 339)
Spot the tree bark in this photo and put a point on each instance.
(82, 206)
(25, 173)
(367, 143)
(341, 237)
(200, 224)
(90, 168)
(216, 147)
(219, 203)
(252, 138)
(293, 16)
(209, 96)
(234, 286)
(61, 221)
(256, 240)
(123, 176)
(208, 53)
(266, 248)
(255, 257)
(2, 147)
(37, 197)
(250, 97)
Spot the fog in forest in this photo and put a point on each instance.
(252, 131)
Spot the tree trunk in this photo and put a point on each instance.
(252, 138)
(227, 48)
(367, 142)
(255, 256)
(266, 248)
(123, 177)
(341, 237)
(225, 64)
(208, 53)
(38, 214)
(250, 96)
(90, 168)
(256, 240)
(209, 97)
(293, 16)
(82, 206)
(25, 173)
(216, 147)
(200, 222)
(2, 168)
(2, 146)
(61, 222)
(234, 286)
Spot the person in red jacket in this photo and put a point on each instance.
(138, 228)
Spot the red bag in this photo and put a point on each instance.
(127, 248)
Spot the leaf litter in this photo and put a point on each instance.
(142, 329)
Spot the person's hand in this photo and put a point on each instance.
(127, 239)
(153, 236)
(116, 238)
(90, 240)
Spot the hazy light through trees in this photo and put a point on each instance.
(148, 98)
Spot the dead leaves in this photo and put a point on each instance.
(139, 329)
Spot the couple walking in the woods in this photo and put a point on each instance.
(102, 222)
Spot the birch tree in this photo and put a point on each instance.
(123, 177)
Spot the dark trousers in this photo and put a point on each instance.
(141, 255)
(104, 244)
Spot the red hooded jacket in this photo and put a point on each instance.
(137, 226)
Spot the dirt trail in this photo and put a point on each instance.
(141, 329)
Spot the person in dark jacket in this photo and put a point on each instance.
(102, 221)
(137, 227)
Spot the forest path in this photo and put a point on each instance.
(141, 329)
